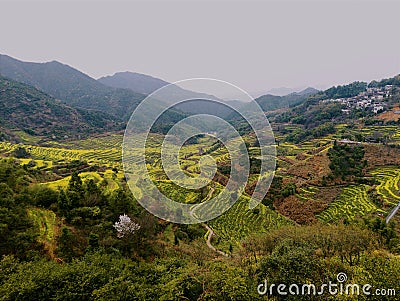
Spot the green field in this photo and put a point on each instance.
(239, 221)
(108, 178)
(352, 202)
(388, 187)
(46, 222)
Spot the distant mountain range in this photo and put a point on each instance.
(282, 91)
(71, 86)
(54, 98)
(146, 84)
(117, 95)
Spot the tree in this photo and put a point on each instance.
(93, 195)
(93, 241)
(125, 226)
(121, 202)
(75, 183)
(66, 243)
(64, 204)
(346, 160)
(21, 152)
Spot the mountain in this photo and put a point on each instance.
(197, 102)
(394, 81)
(307, 91)
(315, 112)
(71, 86)
(120, 99)
(137, 82)
(25, 108)
(282, 91)
(273, 102)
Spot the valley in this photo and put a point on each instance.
(64, 191)
(305, 166)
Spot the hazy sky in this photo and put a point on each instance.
(255, 45)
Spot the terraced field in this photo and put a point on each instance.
(239, 221)
(234, 225)
(391, 132)
(106, 157)
(42, 164)
(307, 193)
(108, 178)
(388, 188)
(352, 202)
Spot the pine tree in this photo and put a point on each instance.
(63, 203)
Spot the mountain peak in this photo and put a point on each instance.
(308, 91)
(138, 82)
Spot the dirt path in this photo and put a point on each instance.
(193, 209)
(210, 234)
(210, 231)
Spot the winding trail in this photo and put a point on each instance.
(210, 234)
(209, 230)
(209, 195)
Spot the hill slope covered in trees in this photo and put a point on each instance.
(25, 108)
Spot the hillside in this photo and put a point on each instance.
(62, 208)
(27, 109)
(357, 102)
(71, 86)
(271, 102)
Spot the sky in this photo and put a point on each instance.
(256, 45)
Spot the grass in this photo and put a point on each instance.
(47, 224)
(26, 138)
(46, 221)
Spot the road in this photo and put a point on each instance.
(392, 213)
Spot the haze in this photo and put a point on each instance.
(254, 45)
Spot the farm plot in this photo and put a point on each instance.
(307, 193)
(108, 178)
(388, 187)
(107, 157)
(240, 221)
(352, 202)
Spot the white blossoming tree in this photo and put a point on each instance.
(125, 226)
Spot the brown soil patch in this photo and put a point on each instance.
(299, 211)
(390, 115)
(380, 155)
(304, 212)
(313, 169)
(301, 156)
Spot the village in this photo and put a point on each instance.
(372, 99)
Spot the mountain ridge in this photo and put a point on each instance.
(72, 86)
(138, 82)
